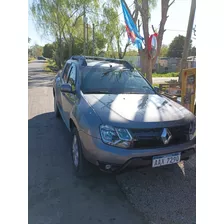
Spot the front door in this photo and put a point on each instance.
(60, 80)
(70, 99)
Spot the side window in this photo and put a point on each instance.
(65, 73)
(72, 77)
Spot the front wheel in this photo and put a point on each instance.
(81, 166)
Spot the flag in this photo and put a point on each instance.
(131, 28)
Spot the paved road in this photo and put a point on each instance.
(160, 80)
(55, 195)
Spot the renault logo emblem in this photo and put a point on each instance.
(166, 136)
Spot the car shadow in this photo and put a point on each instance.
(164, 194)
(38, 61)
(55, 194)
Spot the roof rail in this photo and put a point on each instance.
(113, 60)
(82, 60)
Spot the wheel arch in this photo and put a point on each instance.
(72, 124)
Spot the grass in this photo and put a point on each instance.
(157, 85)
(30, 59)
(170, 74)
(51, 66)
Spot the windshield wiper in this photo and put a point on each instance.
(96, 92)
(115, 69)
(108, 71)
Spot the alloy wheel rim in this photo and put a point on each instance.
(75, 151)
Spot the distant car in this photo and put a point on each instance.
(41, 58)
(117, 119)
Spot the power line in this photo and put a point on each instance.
(177, 30)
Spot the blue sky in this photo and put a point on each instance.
(176, 23)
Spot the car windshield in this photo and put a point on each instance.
(117, 80)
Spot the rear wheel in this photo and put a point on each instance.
(81, 166)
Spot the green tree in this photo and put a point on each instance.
(100, 41)
(164, 51)
(48, 50)
(131, 53)
(113, 30)
(176, 47)
(192, 51)
(35, 51)
(58, 19)
(77, 49)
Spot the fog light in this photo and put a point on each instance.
(107, 167)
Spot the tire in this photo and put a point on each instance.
(56, 110)
(82, 167)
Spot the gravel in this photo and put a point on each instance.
(165, 194)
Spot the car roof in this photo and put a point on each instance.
(97, 63)
(89, 61)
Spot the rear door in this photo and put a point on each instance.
(69, 100)
(61, 79)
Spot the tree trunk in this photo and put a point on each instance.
(60, 53)
(164, 10)
(70, 49)
(119, 49)
(146, 62)
(146, 65)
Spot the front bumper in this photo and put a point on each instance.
(100, 154)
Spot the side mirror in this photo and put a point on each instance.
(156, 88)
(66, 88)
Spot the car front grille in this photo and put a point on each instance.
(151, 138)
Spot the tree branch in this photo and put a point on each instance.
(63, 33)
(125, 49)
(136, 16)
(153, 29)
(76, 20)
(69, 17)
(171, 3)
(137, 6)
(164, 10)
(133, 13)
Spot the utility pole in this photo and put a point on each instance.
(183, 64)
(84, 30)
(93, 39)
(87, 38)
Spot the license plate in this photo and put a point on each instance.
(165, 159)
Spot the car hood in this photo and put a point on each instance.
(138, 109)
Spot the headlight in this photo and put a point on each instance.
(192, 130)
(119, 137)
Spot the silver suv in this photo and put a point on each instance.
(117, 119)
